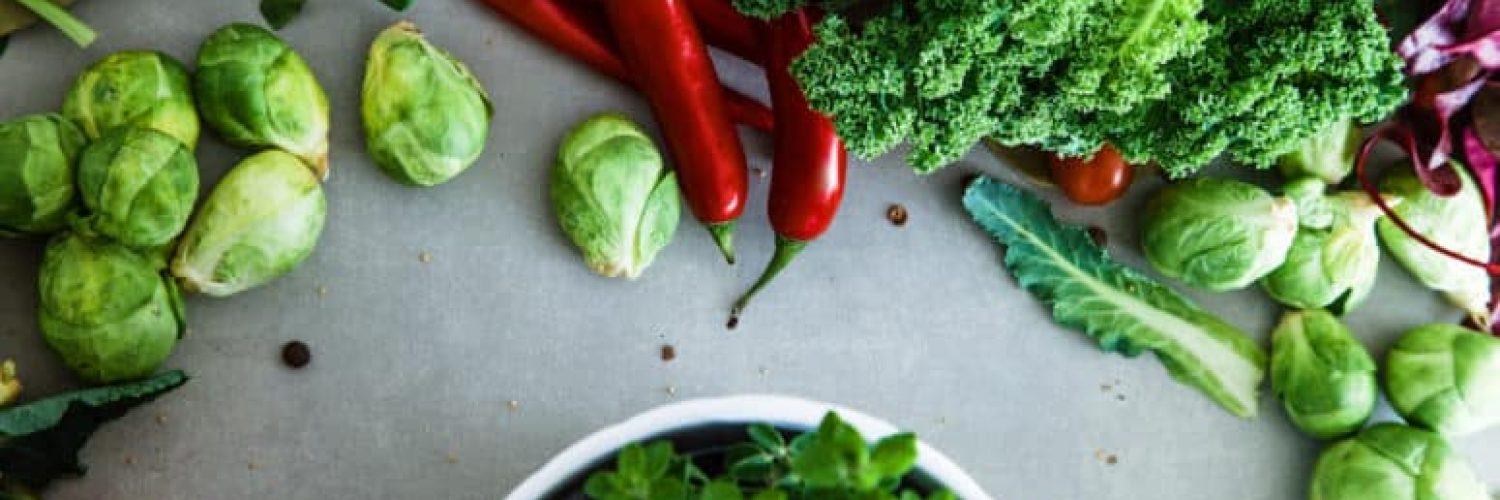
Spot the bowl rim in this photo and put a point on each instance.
(779, 411)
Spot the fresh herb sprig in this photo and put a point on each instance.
(833, 462)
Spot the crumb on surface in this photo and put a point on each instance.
(668, 352)
(897, 214)
(425, 257)
(512, 405)
(452, 457)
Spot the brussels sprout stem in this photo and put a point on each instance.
(723, 234)
(71, 26)
(787, 249)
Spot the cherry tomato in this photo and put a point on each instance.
(1093, 181)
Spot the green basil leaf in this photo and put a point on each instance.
(895, 455)
(767, 437)
(279, 13)
(722, 490)
(399, 5)
(40, 441)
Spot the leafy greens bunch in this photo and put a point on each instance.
(1176, 82)
(832, 463)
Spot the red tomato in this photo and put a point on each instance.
(1093, 181)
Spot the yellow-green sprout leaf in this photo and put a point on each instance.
(1458, 223)
(260, 222)
(10, 385)
(140, 88)
(613, 196)
(1122, 309)
(1217, 234)
(426, 117)
(138, 186)
(1445, 378)
(37, 154)
(1324, 378)
(1394, 462)
(255, 91)
(106, 310)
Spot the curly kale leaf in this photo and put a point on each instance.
(1273, 75)
(944, 73)
(1172, 81)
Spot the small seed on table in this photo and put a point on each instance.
(668, 353)
(896, 214)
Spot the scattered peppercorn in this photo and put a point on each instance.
(896, 214)
(296, 354)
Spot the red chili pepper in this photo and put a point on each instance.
(725, 28)
(662, 47)
(583, 34)
(807, 181)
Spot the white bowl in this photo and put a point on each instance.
(778, 411)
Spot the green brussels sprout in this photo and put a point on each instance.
(255, 91)
(37, 154)
(1445, 378)
(426, 117)
(1324, 378)
(140, 88)
(1328, 156)
(259, 223)
(1334, 266)
(1394, 462)
(138, 186)
(613, 196)
(107, 310)
(1217, 234)
(1458, 223)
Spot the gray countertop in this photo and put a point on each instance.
(415, 364)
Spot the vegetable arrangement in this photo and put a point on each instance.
(831, 462)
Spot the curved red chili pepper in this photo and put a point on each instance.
(725, 28)
(661, 45)
(583, 34)
(807, 181)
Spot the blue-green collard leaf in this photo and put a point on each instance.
(40, 441)
(1122, 309)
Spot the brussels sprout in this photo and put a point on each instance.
(255, 91)
(1394, 462)
(1457, 223)
(1328, 156)
(1445, 378)
(1217, 234)
(1332, 266)
(613, 197)
(138, 186)
(1324, 378)
(141, 88)
(36, 173)
(426, 117)
(259, 223)
(10, 386)
(106, 310)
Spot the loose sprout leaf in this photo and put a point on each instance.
(279, 13)
(40, 441)
(1122, 309)
(4, 42)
